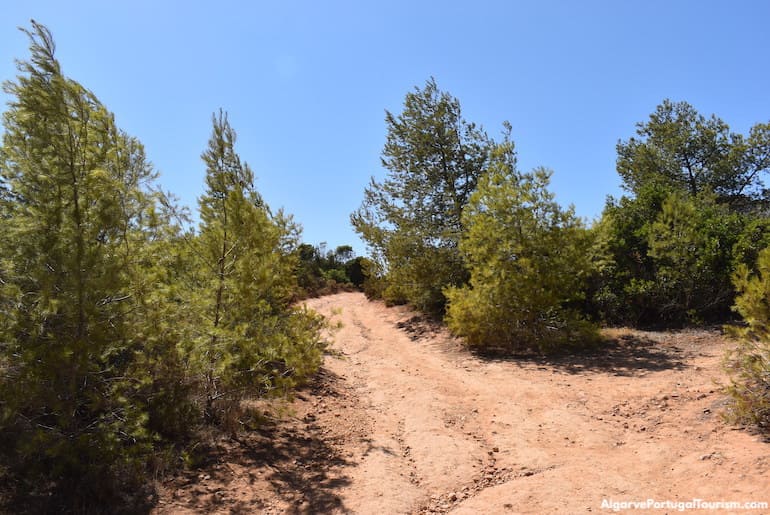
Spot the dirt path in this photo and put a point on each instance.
(405, 421)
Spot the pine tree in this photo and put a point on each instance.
(749, 363)
(73, 210)
(680, 149)
(254, 342)
(686, 160)
(412, 221)
(527, 260)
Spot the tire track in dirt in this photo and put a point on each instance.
(415, 415)
(436, 390)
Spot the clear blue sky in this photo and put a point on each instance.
(306, 83)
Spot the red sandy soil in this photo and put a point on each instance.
(401, 419)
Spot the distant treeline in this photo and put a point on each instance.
(321, 271)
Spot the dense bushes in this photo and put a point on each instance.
(527, 260)
(696, 207)
(121, 332)
(456, 230)
(691, 245)
(661, 255)
(667, 260)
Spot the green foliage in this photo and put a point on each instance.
(355, 271)
(412, 221)
(682, 150)
(666, 265)
(309, 272)
(320, 272)
(252, 341)
(665, 254)
(749, 364)
(624, 272)
(753, 238)
(691, 245)
(161, 326)
(374, 282)
(77, 239)
(119, 332)
(528, 261)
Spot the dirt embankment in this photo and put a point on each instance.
(403, 420)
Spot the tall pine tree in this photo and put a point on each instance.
(255, 342)
(74, 210)
(412, 221)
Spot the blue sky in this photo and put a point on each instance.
(307, 83)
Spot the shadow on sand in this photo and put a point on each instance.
(298, 462)
(623, 355)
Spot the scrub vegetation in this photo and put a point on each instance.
(128, 332)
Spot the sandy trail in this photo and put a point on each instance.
(414, 424)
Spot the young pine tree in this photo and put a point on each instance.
(527, 258)
(253, 341)
(749, 364)
(72, 247)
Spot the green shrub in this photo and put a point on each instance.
(667, 258)
(749, 363)
(528, 261)
(355, 270)
(691, 244)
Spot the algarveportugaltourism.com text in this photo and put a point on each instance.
(693, 504)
